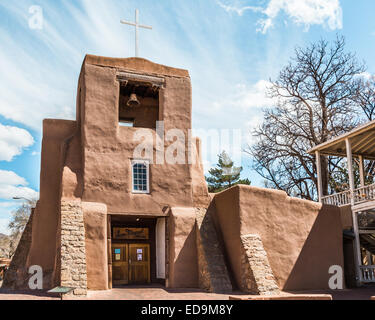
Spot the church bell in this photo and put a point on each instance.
(133, 101)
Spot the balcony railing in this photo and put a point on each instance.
(360, 195)
(338, 199)
(366, 193)
(368, 274)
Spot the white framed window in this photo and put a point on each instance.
(141, 176)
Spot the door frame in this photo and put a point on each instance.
(116, 221)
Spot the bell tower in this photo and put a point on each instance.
(139, 100)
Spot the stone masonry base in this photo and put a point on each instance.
(257, 275)
(73, 252)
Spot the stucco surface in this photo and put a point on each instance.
(45, 242)
(108, 149)
(95, 219)
(89, 160)
(183, 260)
(346, 217)
(302, 239)
(135, 64)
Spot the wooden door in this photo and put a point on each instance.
(120, 265)
(139, 263)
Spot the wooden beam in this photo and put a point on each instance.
(356, 132)
(363, 148)
(368, 205)
(343, 155)
(363, 139)
(319, 175)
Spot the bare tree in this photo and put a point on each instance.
(315, 96)
(366, 101)
(366, 98)
(17, 225)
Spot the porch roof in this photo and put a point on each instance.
(362, 140)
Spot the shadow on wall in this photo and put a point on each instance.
(312, 266)
(186, 264)
(212, 212)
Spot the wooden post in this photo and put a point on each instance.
(362, 171)
(357, 247)
(357, 253)
(319, 175)
(109, 247)
(350, 168)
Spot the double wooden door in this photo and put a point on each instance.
(130, 263)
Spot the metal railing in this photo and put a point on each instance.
(362, 194)
(368, 274)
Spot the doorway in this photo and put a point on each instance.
(131, 263)
(136, 250)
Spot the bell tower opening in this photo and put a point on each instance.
(138, 105)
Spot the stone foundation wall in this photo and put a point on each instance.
(73, 249)
(257, 276)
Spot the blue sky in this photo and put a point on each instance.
(231, 48)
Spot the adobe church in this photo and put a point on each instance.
(106, 218)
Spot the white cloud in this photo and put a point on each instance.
(239, 10)
(12, 141)
(6, 209)
(4, 226)
(7, 204)
(305, 12)
(254, 123)
(366, 76)
(30, 90)
(302, 12)
(12, 185)
(248, 97)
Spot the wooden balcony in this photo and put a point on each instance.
(360, 195)
(367, 274)
(357, 145)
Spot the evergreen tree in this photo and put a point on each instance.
(225, 175)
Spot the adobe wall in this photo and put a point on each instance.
(302, 239)
(346, 217)
(108, 148)
(45, 243)
(183, 260)
(95, 219)
(89, 160)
